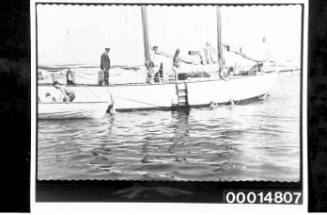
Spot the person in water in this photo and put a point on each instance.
(68, 95)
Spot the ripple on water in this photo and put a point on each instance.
(255, 141)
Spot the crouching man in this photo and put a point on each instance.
(68, 95)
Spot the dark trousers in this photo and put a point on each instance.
(70, 98)
(106, 77)
(69, 82)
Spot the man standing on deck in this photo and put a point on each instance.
(105, 66)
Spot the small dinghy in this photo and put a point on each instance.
(73, 110)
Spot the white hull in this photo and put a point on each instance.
(237, 89)
(152, 96)
(73, 110)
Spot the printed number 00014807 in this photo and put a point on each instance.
(263, 197)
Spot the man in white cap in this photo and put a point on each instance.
(105, 66)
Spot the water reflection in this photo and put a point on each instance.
(182, 127)
(257, 141)
(181, 132)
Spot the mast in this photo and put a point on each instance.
(219, 45)
(145, 34)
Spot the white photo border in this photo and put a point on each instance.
(150, 208)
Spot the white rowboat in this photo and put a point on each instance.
(73, 110)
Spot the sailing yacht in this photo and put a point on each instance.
(93, 101)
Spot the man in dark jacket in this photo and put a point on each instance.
(105, 65)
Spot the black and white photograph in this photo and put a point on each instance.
(155, 92)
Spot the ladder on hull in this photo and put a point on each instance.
(182, 94)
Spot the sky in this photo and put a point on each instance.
(71, 34)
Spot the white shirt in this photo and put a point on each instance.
(154, 58)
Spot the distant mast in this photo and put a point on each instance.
(145, 34)
(219, 45)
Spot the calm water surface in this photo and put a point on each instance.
(254, 141)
